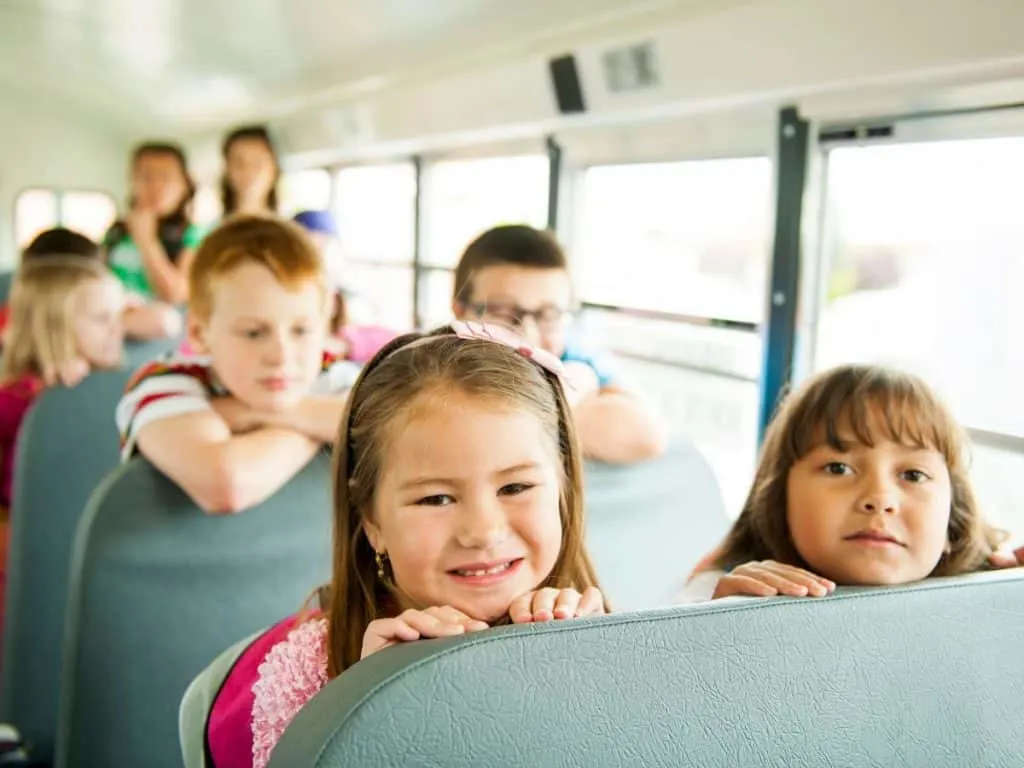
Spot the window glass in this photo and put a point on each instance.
(304, 191)
(34, 211)
(90, 213)
(923, 270)
(381, 294)
(436, 287)
(468, 197)
(703, 380)
(684, 237)
(376, 211)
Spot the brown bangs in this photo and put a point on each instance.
(865, 404)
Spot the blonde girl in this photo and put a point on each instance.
(65, 320)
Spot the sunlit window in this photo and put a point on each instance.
(436, 288)
(687, 237)
(375, 207)
(924, 269)
(692, 239)
(308, 190)
(467, 197)
(376, 211)
(90, 213)
(35, 210)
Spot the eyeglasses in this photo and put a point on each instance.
(547, 318)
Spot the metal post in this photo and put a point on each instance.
(554, 181)
(417, 235)
(780, 326)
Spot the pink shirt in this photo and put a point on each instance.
(270, 682)
(16, 398)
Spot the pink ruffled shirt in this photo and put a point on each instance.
(265, 690)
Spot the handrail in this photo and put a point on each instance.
(675, 317)
(677, 364)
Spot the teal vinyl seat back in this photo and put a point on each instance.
(67, 444)
(160, 589)
(925, 676)
(137, 353)
(6, 278)
(649, 524)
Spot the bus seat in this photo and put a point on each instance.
(923, 676)
(68, 443)
(137, 353)
(160, 589)
(6, 279)
(198, 699)
(649, 524)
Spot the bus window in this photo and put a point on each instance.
(688, 237)
(923, 271)
(375, 207)
(304, 191)
(467, 197)
(436, 289)
(34, 211)
(670, 263)
(90, 213)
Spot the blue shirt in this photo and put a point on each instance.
(600, 360)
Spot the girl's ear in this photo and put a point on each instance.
(373, 535)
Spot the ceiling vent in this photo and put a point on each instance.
(632, 68)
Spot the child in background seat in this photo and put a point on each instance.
(65, 320)
(863, 480)
(233, 423)
(518, 276)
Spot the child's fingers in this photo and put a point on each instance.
(521, 610)
(789, 584)
(738, 584)
(544, 604)
(567, 604)
(814, 584)
(431, 626)
(1004, 559)
(592, 602)
(395, 629)
(451, 615)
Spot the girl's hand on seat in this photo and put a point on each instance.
(68, 374)
(1013, 559)
(438, 621)
(769, 578)
(548, 604)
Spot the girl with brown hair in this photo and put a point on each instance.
(863, 480)
(458, 506)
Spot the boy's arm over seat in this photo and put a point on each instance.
(224, 473)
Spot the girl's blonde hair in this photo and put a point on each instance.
(402, 373)
(40, 333)
(863, 400)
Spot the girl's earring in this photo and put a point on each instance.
(380, 558)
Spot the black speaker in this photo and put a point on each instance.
(566, 81)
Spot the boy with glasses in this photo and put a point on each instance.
(517, 276)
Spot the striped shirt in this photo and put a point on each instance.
(179, 385)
